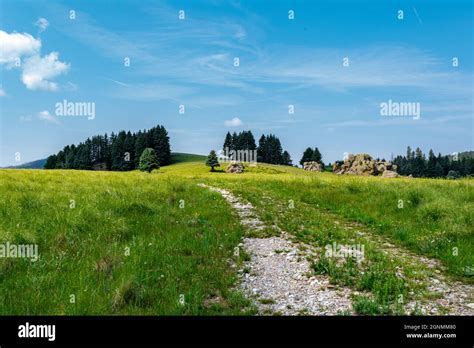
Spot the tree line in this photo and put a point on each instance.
(117, 152)
(416, 164)
(269, 149)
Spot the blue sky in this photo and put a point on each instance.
(283, 62)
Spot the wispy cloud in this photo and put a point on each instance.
(212, 44)
(150, 91)
(393, 121)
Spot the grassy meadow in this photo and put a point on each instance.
(132, 244)
(181, 237)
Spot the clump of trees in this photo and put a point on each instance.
(241, 141)
(117, 152)
(269, 149)
(310, 155)
(415, 163)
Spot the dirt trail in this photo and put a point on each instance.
(279, 279)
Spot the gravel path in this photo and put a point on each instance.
(277, 277)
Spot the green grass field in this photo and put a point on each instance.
(157, 244)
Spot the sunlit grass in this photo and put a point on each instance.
(130, 243)
(185, 251)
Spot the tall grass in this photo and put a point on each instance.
(116, 243)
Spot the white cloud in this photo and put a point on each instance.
(37, 71)
(235, 122)
(46, 116)
(42, 24)
(2, 92)
(16, 45)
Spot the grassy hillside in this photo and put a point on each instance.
(186, 250)
(177, 157)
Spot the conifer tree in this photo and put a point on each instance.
(148, 160)
(212, 160)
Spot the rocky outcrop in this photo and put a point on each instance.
(364, 164)
(235, 168)
(313, 166)
(390, 174)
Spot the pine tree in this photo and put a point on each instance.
(235, 141)
(212, 160)
(70, 156)
(262, 149)
(83, 159)
(409, 153)
(308, 155)
(438, 170)
(60, 160)
(140, 145)
(106, 152)
(431, 165)
(276, 151)
(118, 151)
(317, 157)
(251, 145)
(418, 163)
(128, 152)
(160, 142)
(227, 143)
(286, 159)
(50, 162)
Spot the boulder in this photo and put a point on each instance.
(235, 167)
(313, 166)
(363, 164)
(390, 174)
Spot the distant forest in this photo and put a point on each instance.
(415, 163)
(118, 152)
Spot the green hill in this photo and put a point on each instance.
(179, 157)
(38, 164)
